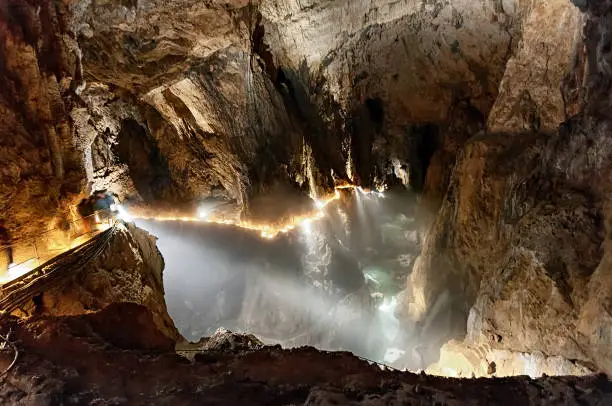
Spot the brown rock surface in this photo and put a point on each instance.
(415, 56)
(39, 163)
(139, 46)
(77, 359)
(521, 239)
(530, 97)
(188, 99)
(128, 270)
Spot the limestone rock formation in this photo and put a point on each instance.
(169, 102)
(173, 102)
(39, 72)
(414, 57)
(80, 360)
(530, 96)
(225, 340)
(521, 237)
(128, 270)
(462, 360)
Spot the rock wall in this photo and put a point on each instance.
(128, 270)
(253, 86)
(40, 71)
(530, 94)
(521, 236)
(80, 359)
(416, 57)
(184, 100)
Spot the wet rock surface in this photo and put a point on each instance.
(76, 359)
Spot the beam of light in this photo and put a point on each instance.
(122, 213)
(266, 230)
(306, 226)
(204, 212)
(388, 306)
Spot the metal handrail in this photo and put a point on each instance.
(18, 291)
(21, 242)
(73, 233)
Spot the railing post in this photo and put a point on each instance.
(36, 253)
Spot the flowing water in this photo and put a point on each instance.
(331, 283)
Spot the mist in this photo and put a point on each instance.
(332, 283)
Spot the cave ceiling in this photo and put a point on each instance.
(233, 97)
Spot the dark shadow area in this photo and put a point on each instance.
(308, 104)
(148, 168)
(377, 112)
(366, 123)
(423, 140)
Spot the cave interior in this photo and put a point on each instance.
(397, 191)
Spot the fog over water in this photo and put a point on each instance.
(330, 283)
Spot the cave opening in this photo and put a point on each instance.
(376, 111)
(147, 166)
(423, 141)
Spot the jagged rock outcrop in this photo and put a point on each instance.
(521, 238)
(530, 94)
(141, 45)
(128, 270)
(80, 360)
(225, 340)
(253, 86)
(184, 100)
(459, 359)
(171, 102)
(414, 57)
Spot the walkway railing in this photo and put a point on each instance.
(18, 292)
(31, 253)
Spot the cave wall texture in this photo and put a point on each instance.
(498, 108)
(40, 163)
(128, 270)
(172, 102)
(522, 234)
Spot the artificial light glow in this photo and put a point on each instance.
(388, 306)
(204, 212)
(306, 226)
(17, 270)
(122, 213)
(267, 231)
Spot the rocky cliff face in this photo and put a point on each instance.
(537, 92)
(39, 64)
(171, 102)
(521, 235)
(128, 270)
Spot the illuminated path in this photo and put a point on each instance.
(19, 291)
(268, 231)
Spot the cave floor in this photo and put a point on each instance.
(118, 357)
